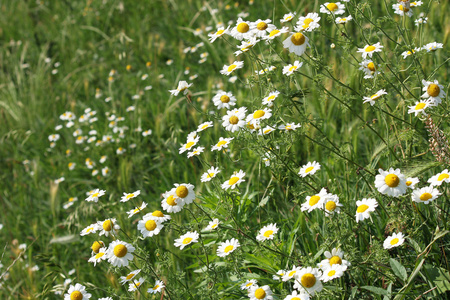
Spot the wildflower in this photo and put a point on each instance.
(70, 202)
(135, 284)
(246, 45)
(433, 46)
(332, 8)
(364, 207)
(171, 203)
(129, 196)
(405, 54)
(394, 240)
(241, 30)
(297, 296)
(296, 43)
(266, 130)
(108, 226)
(235, 119)
(369, 68)
(288, 17)
(402, 9)
(182, 87)
(77, 292)
(97, 193)
(209, 174)
(261, 28)
(220, 31)
(316, 201)
(147, 132)
(159, 285)
(270, 98)
(96, 246)
(53, 137)
(224, 99)
(279, 273)
(335, 257)
(186, 239)
(119, 253)
(260, 293)
(425, 195)
(136, 210)
(120, 151)
(332, 272)
(308, 280)
(90, 229)
(420, 21)
(129, 277)
(332, 205)
(248, 284)
(276, 33)
(267, 232)
(222, 143)
(374, 97)
(391, 183)
(340, 20)
(204, 125)
(234, 180)
(191, 142)
(416, 3)
(157, 215)
(99, 256)
(185, 192)
(105, 171)
(419, 107)
(309, 169)
(308, 23)
(227, 247)
(291, 273)
(195, 152)
(411, 182)
(258, 115)
(212, 224)
(439, 178)
(433, 91)
(368, 50)
(290, 69)
(289, 127)
(227, 70)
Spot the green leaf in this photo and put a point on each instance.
(376, 290)
(398, 269)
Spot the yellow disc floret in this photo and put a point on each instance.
(120, 250)
(298, 39)
(308, 280)
(182, 191)
(392, 180)
(150, 225)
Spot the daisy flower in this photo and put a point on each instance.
(96, 245)
(227, 70)
(425, 195)
(296, 43)
(220, 31)
(369, 50)
(391, 183)
(266, 130)
(276, 33)
(234, 119)
(258, 115)
(71, 166)
(213, 224)
(419, 107)
(279, 273)
(261, 28)
(210, 174)
(433, 91)
(97, 193)
(332, 205)
(129, 196)
(335, 257)
(433, 46)
(224, 99)
(157, 215)
(309, 169)
(129, 277)
(298, 296)
(308, 280)
(241, 30)
(344, 20)
(77, 292)
(416, 3)
(185, 192)
(53, 137)
(119, 253)
(70, 202)
(267, 232)
(420, 21)
(248, 284)
(234, 180)
(191, 142)
(364, 208)
(411, 182)
(182, 87)
(291, 273)
(120, 151)
(157, 288)
(265, 70)
(260, 293)
(402, 9)
(227, 247)
(394, 240)
(149, 227)
(186, 239)
(270, 98)
(332, 272)
(439, 178)
(136, 210)
(290, 69)
(316, 201)
(329, 8)
(204, 125)
(288, 17)
(289, 127)
(108, 226)
(369, 68)
(90, 229)
(308, 23)
(135, 284)
(171, 203)
(195, 152)
(246, 45)
(374, 97)
(98, 257)
(222, 143)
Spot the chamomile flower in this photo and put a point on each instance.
(290, 69)
(234, 119)
(234, 180)
(146, 132)
(120, 253)
(171, 203)
(186, 239)
(224, 99)
(297, 296)
(241, 30)
(335, 257)
(433, 46)
(266, 130)
(135, 284)
(108, 226)
(77, 292)
(227, 70)
(260, 293)
(308, 280)
(136, 210)
(245, 46)
(182, 87)
(127, 196)
(289, 127)
(369, 68)
(265, 70)
(157, 215)
(248, 284)
(185, 192)
(411, 182)
(129, 277)
(433, 91)
(120, 151)
(369, 50)
(261, 28)
(191, 142)
(439, 178)
(97, 193)
(222, 143)
(425, 195)
(105, 171)
(405, 54)
(93, 228)
(96, 246)
(53, 137)
(227, 247)
(364, 208)
(258, 115)
(267, 232)
(279, 273)
(276, 33)
(70, 202)
(394, 240)
(416, 3)
(402, 9)
(288, 17)
(209, 174)
(291, 273)
(374, 97)
(419, 107)
(296, 43)
(308, 23)
(332, 272)
(420, 21)
(315, 201)
(391, 182)
(157, 288)
(309, 169)
(331, 205)
(270, 98)
(329, 8)
(220, 32)
(204, 125)
(344, 20)
(195, 152)
(213, 225)
(99, 256)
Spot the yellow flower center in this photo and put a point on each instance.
(293, 68)
(171, 200)
(374, 97)
(268, 233)
(288, 127)
(228, 248)
(420, 106)
(306, 22)
(96, 246)
(260, 293)
(270, 98)
(89, 229)
(331, 273)
(219, 32)
(76, 295)
(370, 48)
(242, 27)
(425, 196)
(443, 176)
(129, 196)
(120, 250)
(130, 276)
(332, 6)
(362, 208)
(182, 191)
(291, 273)
(330, 205)
(403, 8)
(187, 240)
(309, 169)
(189, 145)
(224, 98)
(258, 114)
(298, 39)
(234, 120)
(267, 131)
(343, 20)
(150, 225)
(157, 213)
(335, 260)
(392, 180)
(221, 143)
(394, 241)
(213, 226)
(371, 66)
(408, 183)
(98, 255)
(433, 90)
(308, 280)
(273, 32)
(231, 68)
(107, 225)
(262, 26)
(295, 298)
(95, 195)
(233, 180)
(313, 200)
